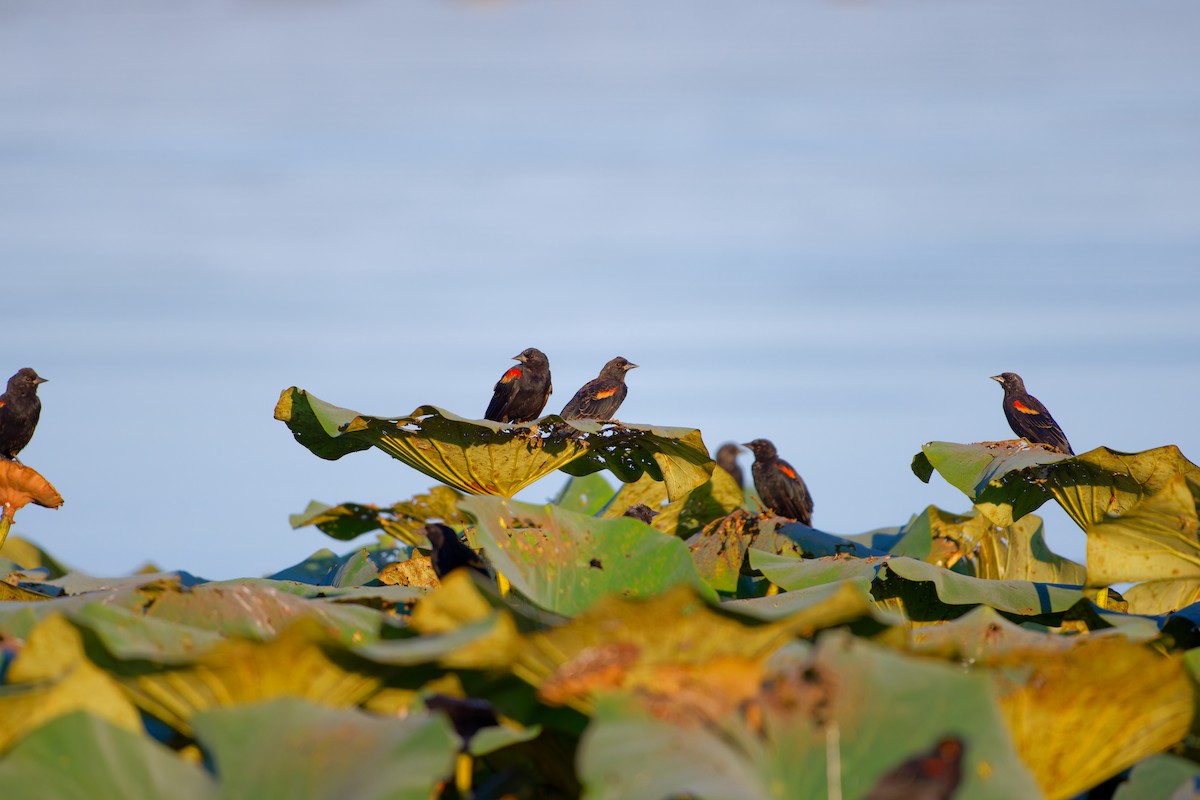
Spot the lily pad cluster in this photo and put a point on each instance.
(714, 653)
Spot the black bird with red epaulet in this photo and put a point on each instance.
(726, 459)
(522, 392)
(1028, 417)
(933, 775)
(601, 397)
(447, 552)
(20, 409)
(779, 486)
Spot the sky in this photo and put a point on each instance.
(826, 224)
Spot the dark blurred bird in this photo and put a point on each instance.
(522, 392)
(933, 775)
(727, 455)
(1028, 417)
(779, 486)
(468, 715)
(600, 398)
(449, 553)
(20, 409)
(641, 512)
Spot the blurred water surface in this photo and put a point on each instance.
(822, 223)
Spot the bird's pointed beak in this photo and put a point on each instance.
(630, 366)
(36, 381)
(519, 357)
(998, 378)
(746, 445)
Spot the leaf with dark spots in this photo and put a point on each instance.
(547, 553)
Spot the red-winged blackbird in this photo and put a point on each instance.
(447, 551)
(779, 486)
(522, 392)
(19, 412)
(601, 397)
(641, 512)
(727, 460)
(933, 775)
(1028, 417)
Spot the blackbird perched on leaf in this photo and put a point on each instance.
(1028, 417)
(522, 392)
(727, 460)
(449, 553)
(601, 397)
(933, 775)
(779, 486)
(641, 512)
(19, 412)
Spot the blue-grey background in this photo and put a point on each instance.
(824, 223)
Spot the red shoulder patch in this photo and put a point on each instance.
(1024, 409)
(786, 470)
(606, 393)
(511, 375)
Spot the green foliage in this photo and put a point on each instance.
(713, 653)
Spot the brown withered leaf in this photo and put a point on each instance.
(20, 485)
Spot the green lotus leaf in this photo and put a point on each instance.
(1007, 480)
(255, 609)
(79, 756)
(129, 635)
(825, 606)
(51, 676)
(1162, 777)
(402, 521)
(849, 709)
(795, 574)
(588, 494)
(999, 477)
(1155, 540)
(1021, 598)
(925, 591)
(485, 457)
(564, 562)
(294, 749)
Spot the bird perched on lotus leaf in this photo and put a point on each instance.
(522, 391)
(933, 775)
(20, 409)
(727, 460)
(779, 486)
(448, 552)
(1028, 417)
(641, 512)
(601, 397)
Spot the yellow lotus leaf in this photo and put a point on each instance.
(1084, 715)
(240, 671)
(52, 676)
(674, 643)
